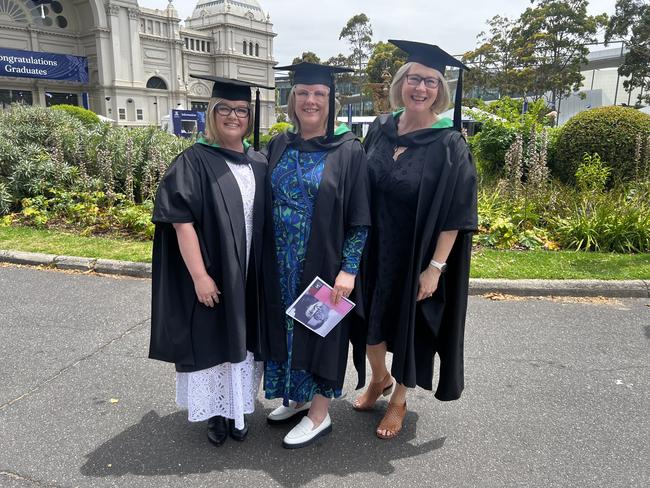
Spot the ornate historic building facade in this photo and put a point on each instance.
(139, 59)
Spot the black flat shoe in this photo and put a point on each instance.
(238, 434)
(217, 430)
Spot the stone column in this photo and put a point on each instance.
(137, 66)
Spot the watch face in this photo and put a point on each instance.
(443, 268)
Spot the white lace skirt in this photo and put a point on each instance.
(227, 389)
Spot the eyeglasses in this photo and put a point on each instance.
(415, 80)
(319, 95)
(226, 110)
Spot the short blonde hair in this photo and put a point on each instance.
(443, 100)
(291, 109)
(211, 127)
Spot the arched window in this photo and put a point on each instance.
(156, 83)
(257, 50)
(250, 48)
(245, 47)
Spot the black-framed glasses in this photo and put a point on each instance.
(225, 110)
(415, 80)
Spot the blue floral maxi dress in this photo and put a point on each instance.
(294, 196)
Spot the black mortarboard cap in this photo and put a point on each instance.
(314, 74)
(230, 89)
(434, 57)
(318, 74)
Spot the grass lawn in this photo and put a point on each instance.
(65, 244)
(553, 265)
(486, 263)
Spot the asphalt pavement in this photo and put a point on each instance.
(556, 395)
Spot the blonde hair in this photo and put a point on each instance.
(291, 109)
(443, 100)
(211, 126)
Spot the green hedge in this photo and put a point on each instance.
(43, 148)
(86, 117)
(609, 131)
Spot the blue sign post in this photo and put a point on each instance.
(187, 123)
(49, 66)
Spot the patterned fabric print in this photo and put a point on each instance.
(355, 240)
(292, 212)
(228, 389)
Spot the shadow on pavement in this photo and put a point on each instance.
(170, 445)
(647, 331)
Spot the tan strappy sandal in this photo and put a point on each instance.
(368, 398)
(392, 421)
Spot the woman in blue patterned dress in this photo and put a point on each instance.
(317, 201)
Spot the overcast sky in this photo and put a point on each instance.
(452, 24)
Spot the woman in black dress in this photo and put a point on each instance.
(423, 185)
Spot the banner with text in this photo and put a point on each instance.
(49, 66)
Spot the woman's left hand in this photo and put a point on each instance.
(343, 286)
(428, 283)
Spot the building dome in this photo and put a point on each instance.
(243, 8)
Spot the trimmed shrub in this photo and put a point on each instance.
(86, 117)
(609, 131)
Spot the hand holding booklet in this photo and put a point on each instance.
(314, 309)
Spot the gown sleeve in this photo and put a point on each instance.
(357, 198)
(463, 212)
(179, 195)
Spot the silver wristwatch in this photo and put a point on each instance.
(442, 267)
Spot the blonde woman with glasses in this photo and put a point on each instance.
(416, 270)
(209, 213)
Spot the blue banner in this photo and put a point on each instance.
(49, 66)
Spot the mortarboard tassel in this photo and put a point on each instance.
(458, 102)
(256, 123)
(330, 116)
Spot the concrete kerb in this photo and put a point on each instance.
(477, 286)
(574, 288)
(103, 266)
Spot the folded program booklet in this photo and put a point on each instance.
(314, 309)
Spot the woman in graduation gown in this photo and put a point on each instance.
(206, 262)
(317, 202)
(416, 269)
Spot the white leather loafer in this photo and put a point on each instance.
(304, 433)
(283, 414)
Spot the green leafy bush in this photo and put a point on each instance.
(491, 145)
(51, 130)
(592, 174)
(43, 148)
(606, 224)
(609, 131)
(6, 199)
(507, 222)
(86, 117)
(501, 121)
(88, 213)
(279, 128)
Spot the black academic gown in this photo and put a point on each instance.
(200, 188)
(446, 201)
(342, 202)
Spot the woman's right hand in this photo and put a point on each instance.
(206, 291)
